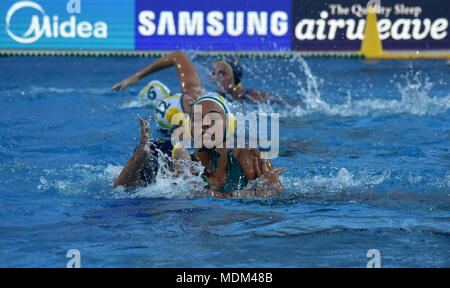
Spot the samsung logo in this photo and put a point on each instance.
(213, 23)
(42, 25)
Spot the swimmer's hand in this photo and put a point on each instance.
(125, 83)
(264, 169)
(145, 136)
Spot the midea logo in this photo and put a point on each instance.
(41, 25)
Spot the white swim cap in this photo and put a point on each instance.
(167, 109)
(155, 91)
(222, 103)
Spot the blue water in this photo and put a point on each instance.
(367, 158)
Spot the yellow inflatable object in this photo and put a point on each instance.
(372, 48)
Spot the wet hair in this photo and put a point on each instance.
(235, 67)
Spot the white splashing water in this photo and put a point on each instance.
(167, 184)
(323, 185)
(414, 91)
(95, 181)
(81, 179)
(139, 103)
(33, 90)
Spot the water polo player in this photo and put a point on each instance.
(227, 73)
(188, 77)
(155, 91)
(227, 171)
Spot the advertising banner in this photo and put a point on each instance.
(339, 25)
(213, 25)
(59, 24)
(305, 25)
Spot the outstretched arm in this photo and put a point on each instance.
(190, 84)
(256, 96)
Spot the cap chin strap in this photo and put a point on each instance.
(214, 154)
(236, 86)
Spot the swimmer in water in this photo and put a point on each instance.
(188, 77)
(226, 72)
(227, 171)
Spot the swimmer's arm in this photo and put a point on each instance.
(253, 167)
(255, 96)
(130, 173)
(187, 74)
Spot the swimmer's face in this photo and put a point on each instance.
(222, 74)
(212, 124)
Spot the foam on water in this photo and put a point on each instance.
(139, 103)
(79, 179)
(96, 181)
(167, 184)
(343, 181)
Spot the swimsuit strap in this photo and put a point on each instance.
(235, 176)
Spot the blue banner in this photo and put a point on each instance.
(66, 24)
(219, 25)
(213, 25)
(339, 24)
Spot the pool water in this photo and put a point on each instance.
(367, 158)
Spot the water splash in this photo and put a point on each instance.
(342, 182)
(79, 179)
(167, 184)
(96, 181)
(310, 97)
(139, 103)
(414, 96)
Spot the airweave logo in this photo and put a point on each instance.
(43, 25)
